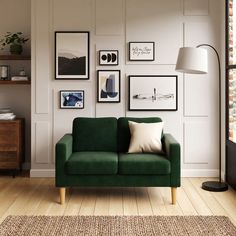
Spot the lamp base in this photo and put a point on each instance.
(214, 186)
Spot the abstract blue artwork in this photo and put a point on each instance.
(72, 99)
(108, 87)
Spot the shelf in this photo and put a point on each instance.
(14, 82)
(14, 57)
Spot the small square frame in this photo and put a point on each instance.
(108, 57)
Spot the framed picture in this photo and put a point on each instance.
(72, 99)
(108, 86)
(4, 72)
(109, 57)
(153, 93)
(141, 51)
(71, 55)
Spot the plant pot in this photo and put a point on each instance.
(16, 49)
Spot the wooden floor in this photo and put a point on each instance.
(38, 196)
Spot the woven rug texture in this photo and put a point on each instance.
(117, 225)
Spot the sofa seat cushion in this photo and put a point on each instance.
(91, 163)
(143, 164)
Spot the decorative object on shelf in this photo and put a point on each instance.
(108, 86)
(15, 40)
(22, 72)
(109, 57)
(72, 99)
(19, 78)
(4, 72)
(194, 61)
(71, 55)
(153, 93)
(141, 51)
(6, 114)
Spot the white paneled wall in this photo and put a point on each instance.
(112, 24)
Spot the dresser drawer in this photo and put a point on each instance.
(9, 133)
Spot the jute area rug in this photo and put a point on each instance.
(117, 225)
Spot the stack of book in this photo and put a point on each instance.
(6, 114)
(19, 78)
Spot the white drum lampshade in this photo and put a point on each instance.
(192, 60)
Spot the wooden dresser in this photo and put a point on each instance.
(11, 144)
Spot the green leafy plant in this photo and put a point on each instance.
(13, 39)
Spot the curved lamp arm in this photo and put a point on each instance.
(219, 66)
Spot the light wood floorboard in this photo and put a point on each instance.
(38, 196)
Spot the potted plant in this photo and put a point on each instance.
(15, 40)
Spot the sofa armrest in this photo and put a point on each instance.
(172, 148)
(63, 151)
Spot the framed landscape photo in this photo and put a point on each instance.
(153, 92)
(109, 57)
(108, 86)
(72, 99)
(72, 55)
(141, 51)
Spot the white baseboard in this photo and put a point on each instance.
(42, 173)
(184, 173)
(199, 173)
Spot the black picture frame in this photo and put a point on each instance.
(72, 55)
(4, 72)
(108, 57)
(69, 99)
(142, 51)
(108, 79)
(140, 94)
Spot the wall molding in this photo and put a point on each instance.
(200, 173)
(42, 173)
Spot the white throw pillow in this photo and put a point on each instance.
(145, 137)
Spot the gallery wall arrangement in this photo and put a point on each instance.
(126, 58)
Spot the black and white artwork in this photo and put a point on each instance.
(72, 55)
(109, 57)
(141, 51)
(72, 99)
(108, 86)
(153, 93)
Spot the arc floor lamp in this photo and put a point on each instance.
(195, 61)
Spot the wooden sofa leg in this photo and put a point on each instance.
(62, 195)
(173, 195)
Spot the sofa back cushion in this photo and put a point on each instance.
(95, 134)
(124, 132)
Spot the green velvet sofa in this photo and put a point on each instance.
(95, 154)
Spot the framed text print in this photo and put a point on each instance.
(153, 93)
(72, 99)
(71, 55)
(141, 51)
(108, 86)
